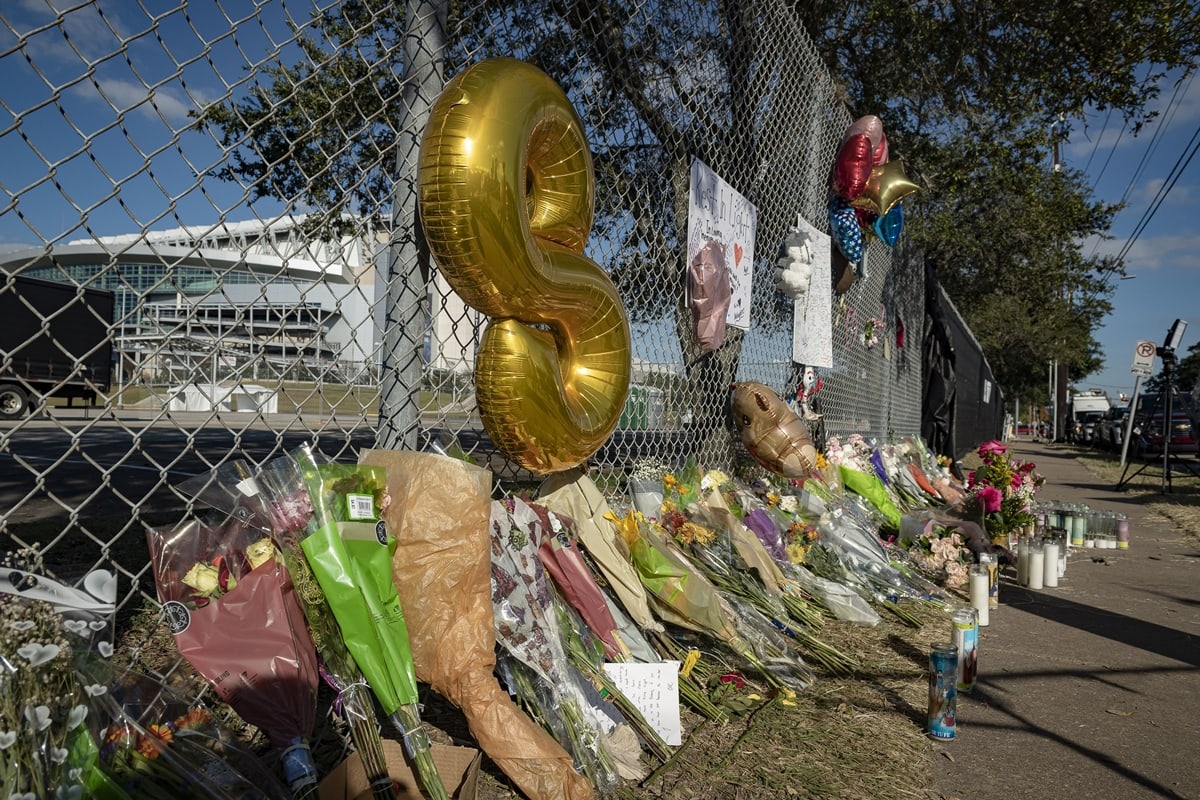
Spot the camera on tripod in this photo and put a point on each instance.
(1163, 401)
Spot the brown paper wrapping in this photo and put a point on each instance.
(575, 494)
(439, 513)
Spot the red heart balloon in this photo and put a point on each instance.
(853, 166)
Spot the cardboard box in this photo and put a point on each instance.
(458, 766)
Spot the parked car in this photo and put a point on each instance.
(1086, 428)
(1148, 425)
(1112, 427)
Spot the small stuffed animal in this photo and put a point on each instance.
(794, 273)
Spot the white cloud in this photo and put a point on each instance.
(1151, 253)
(168, 101)
(125, 95)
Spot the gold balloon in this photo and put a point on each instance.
(507, 199)
(775, 436)
(887, 186)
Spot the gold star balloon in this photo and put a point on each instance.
(887, 186)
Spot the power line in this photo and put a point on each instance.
(1181, 89)
(1177, 170)
(1156, 138)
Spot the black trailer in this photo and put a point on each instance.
(55, 341)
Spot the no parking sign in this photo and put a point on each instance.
(1143, 359)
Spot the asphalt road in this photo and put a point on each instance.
(105, 463)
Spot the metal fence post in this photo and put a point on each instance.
(407, 261)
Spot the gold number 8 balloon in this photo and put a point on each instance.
(507, 199)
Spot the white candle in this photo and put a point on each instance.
(1037, 565)
(1023, 561)
(980, 582)
(1050, 564)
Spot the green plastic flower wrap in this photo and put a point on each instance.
(349, 548)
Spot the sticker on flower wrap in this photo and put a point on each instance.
(360, 506)
(177, 616)
(381, 532)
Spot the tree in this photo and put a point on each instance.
(974, 94)
(304, 130)
(969, 92)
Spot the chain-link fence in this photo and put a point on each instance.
(238, 180)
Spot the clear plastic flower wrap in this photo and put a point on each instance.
(527, 629)
(153, 743)
(233, 613)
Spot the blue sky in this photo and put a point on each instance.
(99, 93)
(120, 127)
(1163, 257)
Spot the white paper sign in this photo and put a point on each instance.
(812, 321)
(718, 213)
(654, 690)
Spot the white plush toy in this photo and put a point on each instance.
(794, 273)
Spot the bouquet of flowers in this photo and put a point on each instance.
(527, 628)
(42, 705)
(941, 552)
(273, 498)
(787, 528)
(1005, 488)
(440, 513)
(153, 744)
(861, 470)
(234, 616)
(851, 552)
(584, 615)
(572, 493)
(740, 564)
(349, 549)
(683, 596)
(564, 562)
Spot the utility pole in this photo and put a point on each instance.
(1062, 373)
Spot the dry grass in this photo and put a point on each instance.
(859, 737)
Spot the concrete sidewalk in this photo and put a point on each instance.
(1090, 689)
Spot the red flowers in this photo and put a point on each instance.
(991, 497)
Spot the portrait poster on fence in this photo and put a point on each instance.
(720, 217)
(812, 321)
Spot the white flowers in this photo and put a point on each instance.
(76, 716)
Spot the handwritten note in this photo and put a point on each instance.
(812, 323)
(654, 689)
(717, 212)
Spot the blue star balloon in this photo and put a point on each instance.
(843, 226)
